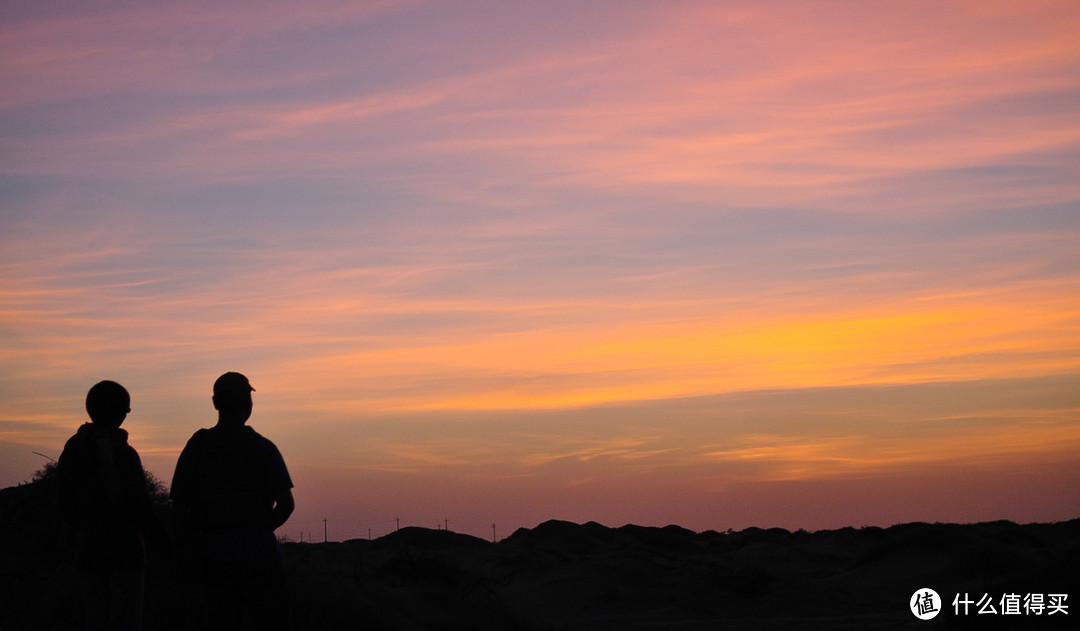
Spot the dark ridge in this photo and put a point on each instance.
(563, 575)
(426, 537)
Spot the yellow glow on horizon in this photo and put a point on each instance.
(590, 363)
(687, 244)
(786, 458)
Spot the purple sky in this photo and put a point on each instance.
(806, 264)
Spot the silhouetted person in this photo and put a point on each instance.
(231, 490)
(105, 507)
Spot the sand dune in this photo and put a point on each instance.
(561, 575)
(568, 576)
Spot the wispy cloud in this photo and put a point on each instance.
(413, 210)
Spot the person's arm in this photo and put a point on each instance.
(67, 499)
(154, 532)
(281, 483)
(283, 507)
(182, 524)
(182, 498)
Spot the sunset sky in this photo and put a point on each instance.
(720, 264)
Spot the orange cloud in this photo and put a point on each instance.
(418, 223)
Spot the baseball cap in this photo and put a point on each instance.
(231, 386)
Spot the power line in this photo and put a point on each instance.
(358, 528)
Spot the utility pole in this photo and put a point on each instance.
(398, 520)
(324, 530)
(493, 534)
(446, 524)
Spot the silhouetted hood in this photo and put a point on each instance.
(107, 441)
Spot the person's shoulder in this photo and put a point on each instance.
(73, 442)
(74, 450)
(259, 439)
(263, 444)
(197, 439)
(200, 434)
(80, 438)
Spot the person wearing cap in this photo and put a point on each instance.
(230, 491)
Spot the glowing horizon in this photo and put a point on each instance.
(432, 233)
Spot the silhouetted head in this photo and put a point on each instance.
(108, 404)
(232, 398)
